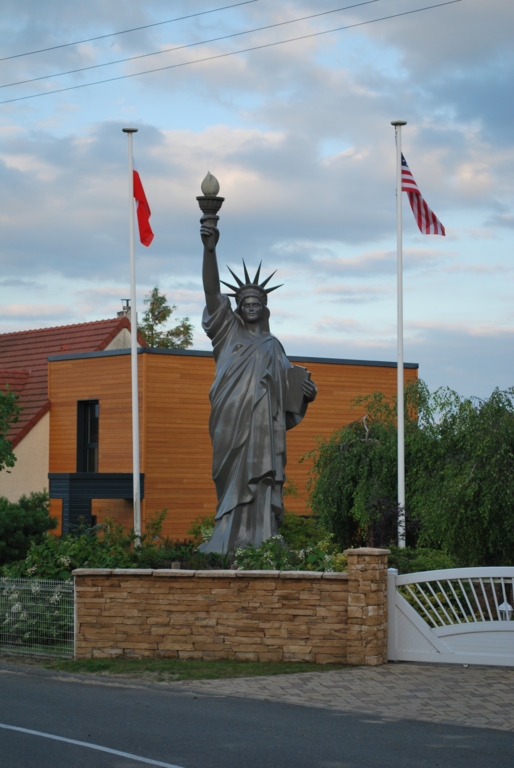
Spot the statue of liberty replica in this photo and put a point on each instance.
(256, 396)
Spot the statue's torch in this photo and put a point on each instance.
(209, 202)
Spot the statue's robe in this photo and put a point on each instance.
(248, 426)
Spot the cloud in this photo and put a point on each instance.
(501, 220)
(478, 269)
(381, 262)
(473, 361)
(340, 325)
(426, 328)
(15, 282)
(353, 294)
(107, 299)
(38, 312)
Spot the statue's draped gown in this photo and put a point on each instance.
(248, 426)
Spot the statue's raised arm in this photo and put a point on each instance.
(210, 205)
(210, 273)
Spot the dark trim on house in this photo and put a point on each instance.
(201, 353)
(78, 489)
(83, 456)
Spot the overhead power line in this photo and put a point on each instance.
(189, 45)
(125, 31)
(232, 53)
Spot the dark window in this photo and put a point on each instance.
(87, 435)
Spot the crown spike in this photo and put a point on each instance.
(239, 282)
(232, 287)
(267, 280)
(257, 275)
(247, 276)
(268, 290)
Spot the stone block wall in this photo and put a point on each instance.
(246, 615)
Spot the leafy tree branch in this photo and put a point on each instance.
(153, 329)
(9, 413)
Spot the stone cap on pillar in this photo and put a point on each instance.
(369, 551)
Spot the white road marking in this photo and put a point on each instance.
(90, 746)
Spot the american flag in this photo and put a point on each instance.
(426, 219)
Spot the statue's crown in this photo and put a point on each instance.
(251, 287)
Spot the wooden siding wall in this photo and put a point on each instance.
(56, 511)
(337, 386)
(176, 450)
(118, 510)
(106, 379)
(178, 446)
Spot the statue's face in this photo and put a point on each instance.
(252, 309)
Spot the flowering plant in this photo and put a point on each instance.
(274, 555)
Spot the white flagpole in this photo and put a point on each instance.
(401, 417)
(133, 343)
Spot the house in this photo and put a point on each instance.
(24, 367)
(90, 450)
(74, 435)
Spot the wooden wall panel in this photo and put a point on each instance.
(56, 511)
(106, 379)
(178, 446)
(119, 510)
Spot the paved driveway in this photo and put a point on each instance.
(472, 696)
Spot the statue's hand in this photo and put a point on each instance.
(210, 236)
(309, 390)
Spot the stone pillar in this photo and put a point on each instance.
(367, 606)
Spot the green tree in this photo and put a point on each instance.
(153, 330)
(463, 489)
(353, 482)
(9, 412)
(459, 464)
(23, 523)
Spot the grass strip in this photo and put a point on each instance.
(169, 670)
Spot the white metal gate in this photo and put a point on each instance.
(459, 615)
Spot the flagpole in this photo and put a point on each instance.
(399, 291)
(133, 342)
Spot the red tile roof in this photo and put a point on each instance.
(24, 365)
(13, 378)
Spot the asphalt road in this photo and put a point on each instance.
(200, 731)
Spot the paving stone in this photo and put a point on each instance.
(474, 696)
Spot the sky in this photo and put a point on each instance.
(299, 136)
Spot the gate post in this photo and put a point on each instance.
(367, 606)
(392, 573)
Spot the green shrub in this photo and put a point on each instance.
(299, 532)
(409, 560)
(202, 528)
(107, 546)
(56, 558)
(22, 523)
(274, 555)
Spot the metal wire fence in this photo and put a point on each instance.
(37, 618)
